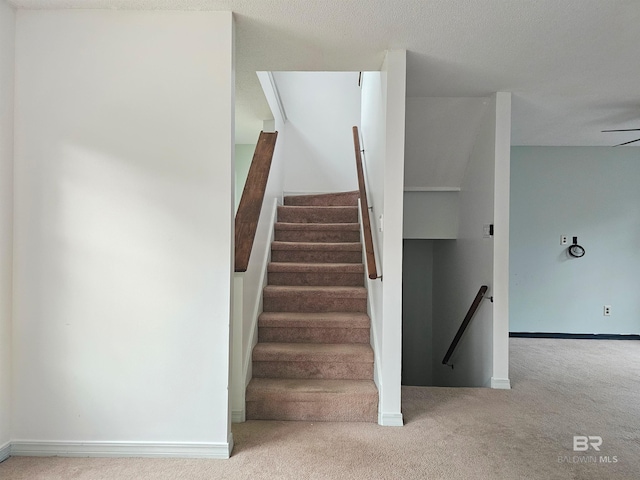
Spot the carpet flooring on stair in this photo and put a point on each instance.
(316, 252)
(316, 274)
(313, 360)
(320, 400)
(325, 327)
(317, 232)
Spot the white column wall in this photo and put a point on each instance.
(372, 131)
(396, 64)
(383, 120)
(501, 201)
(7, 37)
(123, 232)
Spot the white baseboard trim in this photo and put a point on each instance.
(23, 448)
(500, 383)
(390, 419)
(5, 451)
(238, 416)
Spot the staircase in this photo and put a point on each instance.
(313, 360)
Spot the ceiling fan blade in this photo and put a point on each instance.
(627, 143)
(624, 130)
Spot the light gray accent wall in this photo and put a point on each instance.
(417, 312)
(591, 193)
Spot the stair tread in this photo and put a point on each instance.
(317, 214)
(334, 198)
(295, 388)
(301, 352)
(314, 320)
(325, 246)
(335, 291)
(317, 226)
(315, 267)
(319, 207)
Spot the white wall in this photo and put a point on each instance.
(7, 37)
(501, 241)
(591, 193)
(321, 109)
(123, 232)
(430, 215)
(441, 132)
(462, 266)
(373, 142)
(383, 121)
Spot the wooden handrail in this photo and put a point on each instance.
(465, 323)
(364, 208)
(250, 205)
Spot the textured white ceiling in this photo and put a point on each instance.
(571, 64)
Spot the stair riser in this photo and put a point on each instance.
(319, 236)
(314, 335)
(318, 215)
(365, 410)
(316, 279)
(314, 370)
(313, 303)
(315, 256)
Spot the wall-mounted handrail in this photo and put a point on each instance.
(465, 323)
(250, 205)
(364, 208)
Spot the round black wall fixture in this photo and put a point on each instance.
(576, 250)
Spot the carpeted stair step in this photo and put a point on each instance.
(326, 199)
(312, 400)
(317, 232)
(304, 214)
(311, 252)
(329, 327)
(280, 298)
(313, 360)
(340, 274)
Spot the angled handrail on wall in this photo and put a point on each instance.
(250, 205)
(364, 207)
(465, 323)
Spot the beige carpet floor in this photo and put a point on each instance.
(561, 388)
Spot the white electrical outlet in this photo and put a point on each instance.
(607, 311)
(564, 239)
